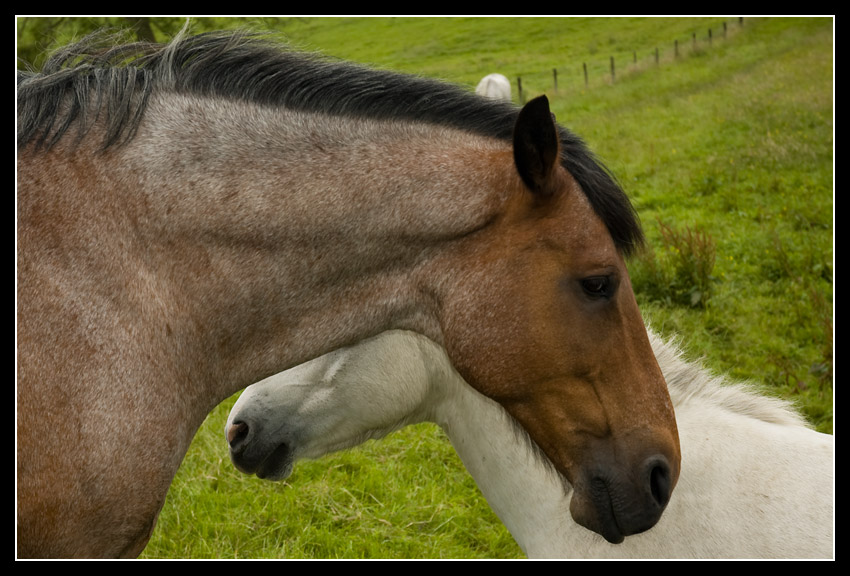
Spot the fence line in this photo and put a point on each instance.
(612, 70)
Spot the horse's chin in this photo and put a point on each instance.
(275, 475)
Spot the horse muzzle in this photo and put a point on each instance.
(617, 505)
(249, 455)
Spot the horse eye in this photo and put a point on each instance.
(597, 286)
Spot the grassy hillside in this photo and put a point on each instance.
(726, 150)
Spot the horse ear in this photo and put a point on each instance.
(536, 146)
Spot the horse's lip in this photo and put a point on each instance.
(610, 531)
(606, 516)
(277, 465)
(274, 465)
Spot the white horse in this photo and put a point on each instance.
(494, 86)
(755, 481)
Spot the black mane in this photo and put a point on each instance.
(95, 77)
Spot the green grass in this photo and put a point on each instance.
(734, 140)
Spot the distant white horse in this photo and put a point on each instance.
(494, 86)
(755, 482)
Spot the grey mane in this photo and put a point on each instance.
(97, 80)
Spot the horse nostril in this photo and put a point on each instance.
(660, 484)
(236, 434)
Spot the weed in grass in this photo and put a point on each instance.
(804, 274)
(682, 272)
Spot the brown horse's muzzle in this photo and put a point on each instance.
(617, 498)
(618, 509)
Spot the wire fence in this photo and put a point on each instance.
(606, 73)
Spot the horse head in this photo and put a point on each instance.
(544, 321)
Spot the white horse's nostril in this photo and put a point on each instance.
(236, 434)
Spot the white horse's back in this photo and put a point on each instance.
(494, 86)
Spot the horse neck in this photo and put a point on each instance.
(284, 235)
(699, 393)
(527, 495)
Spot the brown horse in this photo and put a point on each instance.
(195, 217)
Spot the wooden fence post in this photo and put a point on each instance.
(584, 65)
(519, 89)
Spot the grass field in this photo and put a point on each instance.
(727, 152)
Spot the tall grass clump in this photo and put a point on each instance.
(680, 272)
